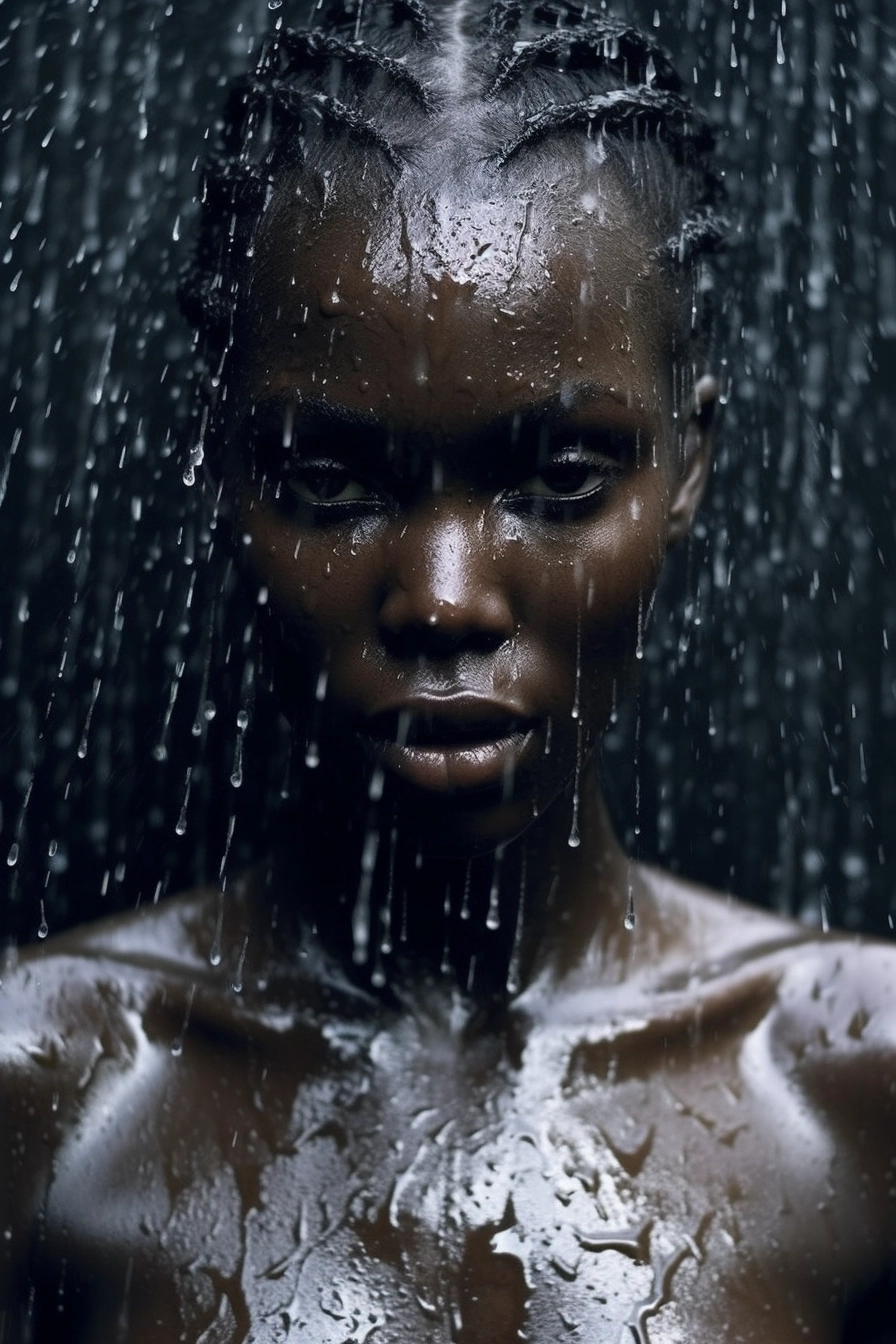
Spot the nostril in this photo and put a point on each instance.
(479, 616)
(437, 638)
(444, 589)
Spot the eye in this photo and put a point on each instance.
(324, 483)
(569, 476)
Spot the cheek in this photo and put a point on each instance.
(592, 595)
(598, 576)
(321, 589)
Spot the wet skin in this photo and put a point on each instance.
(420, 1081)
(702, 1149)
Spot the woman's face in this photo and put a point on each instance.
(457, 469)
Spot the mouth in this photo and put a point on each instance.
(451, 746)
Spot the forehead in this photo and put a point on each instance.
(457, 301)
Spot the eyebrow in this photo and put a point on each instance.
(318, 409)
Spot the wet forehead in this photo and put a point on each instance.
(473, 289)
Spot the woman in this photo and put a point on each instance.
(450, 1066)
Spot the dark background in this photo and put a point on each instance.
(760, 754)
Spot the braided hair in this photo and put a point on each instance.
(378, 83)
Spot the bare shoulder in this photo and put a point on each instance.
(65, 1004)
(835, 1031)
(74, 1014)
(714, 927)
(829, 1017)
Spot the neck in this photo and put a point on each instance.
(490, 924)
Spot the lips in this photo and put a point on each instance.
(451, 744)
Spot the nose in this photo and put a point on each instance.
(445, 593)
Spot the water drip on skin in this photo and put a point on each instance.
(237, 983)
(214, 952)
(177, 1045)
(361, 912)
(445, 963)
(637, 761)
(493, 915)
(386, 911)
(574, 838)
(465, 900)
(513, 981)
(664, 1268)
(629, 917)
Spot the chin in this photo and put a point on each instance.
(463, 829)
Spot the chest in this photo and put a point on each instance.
(402, 1184)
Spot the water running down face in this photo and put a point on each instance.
(458, 466)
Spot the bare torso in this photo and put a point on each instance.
(260, 1150)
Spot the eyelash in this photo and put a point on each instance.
(577, 501)
(523, 499)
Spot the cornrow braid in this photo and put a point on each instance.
(387, 77)
(607, 42)
(302, 48)
(613, 112)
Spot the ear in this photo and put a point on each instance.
(696, 453)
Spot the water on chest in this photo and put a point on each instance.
(412, 1183)
(430, 1189)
